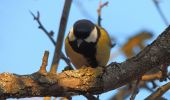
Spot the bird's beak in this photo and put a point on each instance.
(79, 41)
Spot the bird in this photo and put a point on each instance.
(87, 45)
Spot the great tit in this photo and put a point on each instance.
(87, 45)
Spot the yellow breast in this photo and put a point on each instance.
(77, 59)
(103, 48)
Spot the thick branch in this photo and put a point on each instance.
(93, 81)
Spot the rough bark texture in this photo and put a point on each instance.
(94, 81)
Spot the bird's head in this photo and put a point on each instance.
(83, 31)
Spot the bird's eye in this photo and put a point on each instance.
(71, 35)
(92, 36)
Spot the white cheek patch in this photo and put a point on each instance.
(93, 36)
(71, 36)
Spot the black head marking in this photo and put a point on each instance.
(83, 28)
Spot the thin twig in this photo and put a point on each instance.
(135, 90)
(99, 11)
(60, 38)
(37, 18)
(44, 62)
(159, 92)
(49, 34)
(156, 2)
(151, 77)
(156, 76)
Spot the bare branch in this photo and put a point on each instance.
(151, 77)
(60, 37)
(125, 91)
(159, 92)
(44, 62)
(37, 18)
(99, 11)
(88, 80)
(49, 34)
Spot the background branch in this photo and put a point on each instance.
(159, 92)
(60, 36)
(99, 11)
(49, 34)
(156, 2)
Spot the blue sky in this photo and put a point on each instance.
(23, 44)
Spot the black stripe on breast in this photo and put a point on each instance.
(88, 50)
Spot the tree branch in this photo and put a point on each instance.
(151, 77)
(44, 62)
(127, 90)
(159, 92)
(60, 36)
(49, 34)
(99, 11)
(88, 80)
